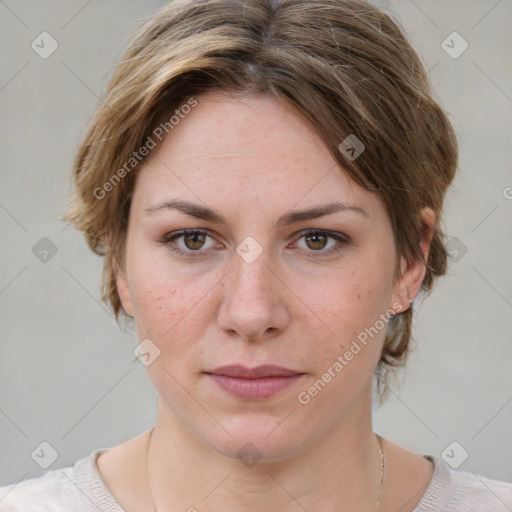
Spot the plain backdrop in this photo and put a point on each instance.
(67, 375)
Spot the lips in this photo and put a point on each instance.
(254, 384)
(268, 370)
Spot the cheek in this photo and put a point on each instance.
(171, 305)
(351, 297)
(347, 307)
(173, 317)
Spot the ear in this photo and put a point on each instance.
(123, 288)
(412, 274)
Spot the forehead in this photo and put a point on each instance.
(226, 127)
(246, 150)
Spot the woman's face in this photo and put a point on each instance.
(253, 288)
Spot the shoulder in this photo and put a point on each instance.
(52, 491)
(494, 494)
(78, 488)
(453, 490)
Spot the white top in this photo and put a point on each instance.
(81, 489)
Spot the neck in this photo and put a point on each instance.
(341, 472)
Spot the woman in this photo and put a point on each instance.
(265, 181)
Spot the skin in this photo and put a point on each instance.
(252, 160)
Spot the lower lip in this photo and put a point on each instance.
(255, 389)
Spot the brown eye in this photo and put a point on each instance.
(194, 240)
(317, 240)
(188, 243)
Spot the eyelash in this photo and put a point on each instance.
(340, 238)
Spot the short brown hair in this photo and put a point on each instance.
(344, 66)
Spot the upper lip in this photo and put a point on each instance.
(267, 370)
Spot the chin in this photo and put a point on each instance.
(258, 440)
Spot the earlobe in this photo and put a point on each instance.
(413, 273)
(402, 294)
(123, 289)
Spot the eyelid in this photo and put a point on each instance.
(170, 237)
(326, 232)
(342, 241)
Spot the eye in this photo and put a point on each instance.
(190, 243)
(317, 240)
(193, 241)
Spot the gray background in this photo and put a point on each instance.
(66, 370)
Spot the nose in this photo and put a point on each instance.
(253, 303)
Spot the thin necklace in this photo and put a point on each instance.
(382, 467)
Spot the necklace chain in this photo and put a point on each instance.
(382, 467)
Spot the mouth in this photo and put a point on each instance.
(255, 384)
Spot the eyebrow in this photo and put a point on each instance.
(209, 215)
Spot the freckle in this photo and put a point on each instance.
(358, 296)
